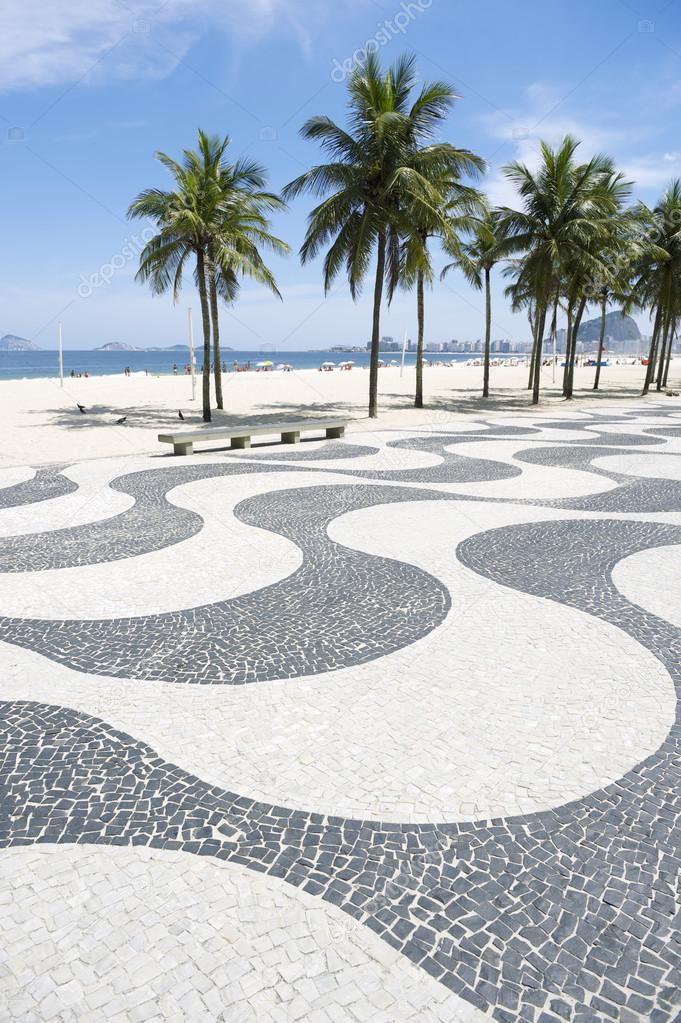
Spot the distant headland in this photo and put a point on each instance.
(13, 343)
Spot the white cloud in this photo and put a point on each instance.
(653, 171)
(520, 131)
(43, 43)
(542, 117)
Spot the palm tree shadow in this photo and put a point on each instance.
(455, 401)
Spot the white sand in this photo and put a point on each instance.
(41, 424)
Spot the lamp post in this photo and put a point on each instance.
(192, 357)
(61, 357)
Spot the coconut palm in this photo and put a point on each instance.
(452, 220)
(566, 207)
(217, 216)
(237, 214)
(657, 280)
(380, 166)
(487, 245)
(181, 236)
(614, 243)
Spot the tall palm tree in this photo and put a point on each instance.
(487, 245)
(216, 215)
(566, 207)
(614, 243)
(181, 236)
(238, 218)
(657, 279)
(379, 166)
(455, 217)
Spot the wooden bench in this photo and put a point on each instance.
(240, 437)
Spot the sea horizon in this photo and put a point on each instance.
(29, 365)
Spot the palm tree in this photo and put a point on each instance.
(238, 217)
(565, 212)
(657, 280)
(181, 235)
(217, 215)
(613, 242)
(382, 165)
(487, 245)
(455, 217)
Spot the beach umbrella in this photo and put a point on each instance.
(328, 364)
(266, 362)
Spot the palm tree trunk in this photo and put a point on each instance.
(554, 319)
(601, 339)
(488, 330)
(537, 354)
(653, 351)
(669, 354)
(205, 320)
(420, 317)
(575, 334)
(530, 379)
(532, 322)
(661, 362)
(568, 351)
(376, 327)
(214, 318)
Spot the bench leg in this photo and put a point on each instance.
(291, 438)
(335, 432)
(184, 447)
(241, 442)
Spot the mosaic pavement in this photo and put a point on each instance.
(383, 729)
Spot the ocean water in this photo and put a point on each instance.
(23, 365)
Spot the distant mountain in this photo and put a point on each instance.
(122, 346)
(178, 348)
(166, 348)
(12, 343)
(618, 327)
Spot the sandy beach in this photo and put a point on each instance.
(42, 424)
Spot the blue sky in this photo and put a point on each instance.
(90, 91)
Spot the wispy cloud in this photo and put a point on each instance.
(654, 171)
(517, 134)
(43, 43)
